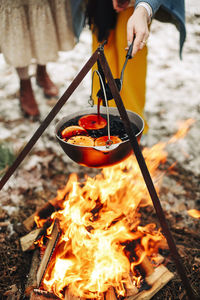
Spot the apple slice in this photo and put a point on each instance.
(81, 140)
(73, 131)
(103, 140)
(92, 122)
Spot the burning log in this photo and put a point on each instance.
(158, 279)
(110, 294)
(27, 241)
(70, 296)
(42, 295)
(145, 265)
(44, 212)
(31, 282)
(48, 253)
(158, 260)
(130, 287)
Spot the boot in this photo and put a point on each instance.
(27, 100)
(43, 80)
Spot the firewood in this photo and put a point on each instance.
(110, 294)
(48, 253)
(159, 278)
(158, 260)
(27, 241)
(45, 211)
(70, 296)
(130, 288)
(29, 223)
(156, 274)
(35, 296)
(31, 281)
(145, 265)
(39, 294)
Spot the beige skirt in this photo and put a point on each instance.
(34, 29)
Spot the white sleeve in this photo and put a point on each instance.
(147, 7)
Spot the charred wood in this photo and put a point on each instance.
(48, 253)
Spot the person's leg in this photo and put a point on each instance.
(44, 81)
(26, 96)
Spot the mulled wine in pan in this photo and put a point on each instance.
(94, 127)
(93, 140)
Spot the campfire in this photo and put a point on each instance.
(101, 242)
(94, 244)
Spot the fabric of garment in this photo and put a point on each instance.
(134, 82)
(35, 29)
(78, 8)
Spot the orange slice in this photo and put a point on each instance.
(81, 140)
(72, 131)
(103, 140)
(91, 122)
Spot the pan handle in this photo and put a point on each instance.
(130, 49)
(128, 56)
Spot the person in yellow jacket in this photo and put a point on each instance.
(117, 21)
(133, 88)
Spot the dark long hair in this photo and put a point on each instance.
(101, 17)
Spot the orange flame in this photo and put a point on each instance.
(98, 219)
(194, 213)
(183, 129)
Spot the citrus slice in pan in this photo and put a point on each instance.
(81, 140)
(72, 131)
(103, 140)
(92, 122)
